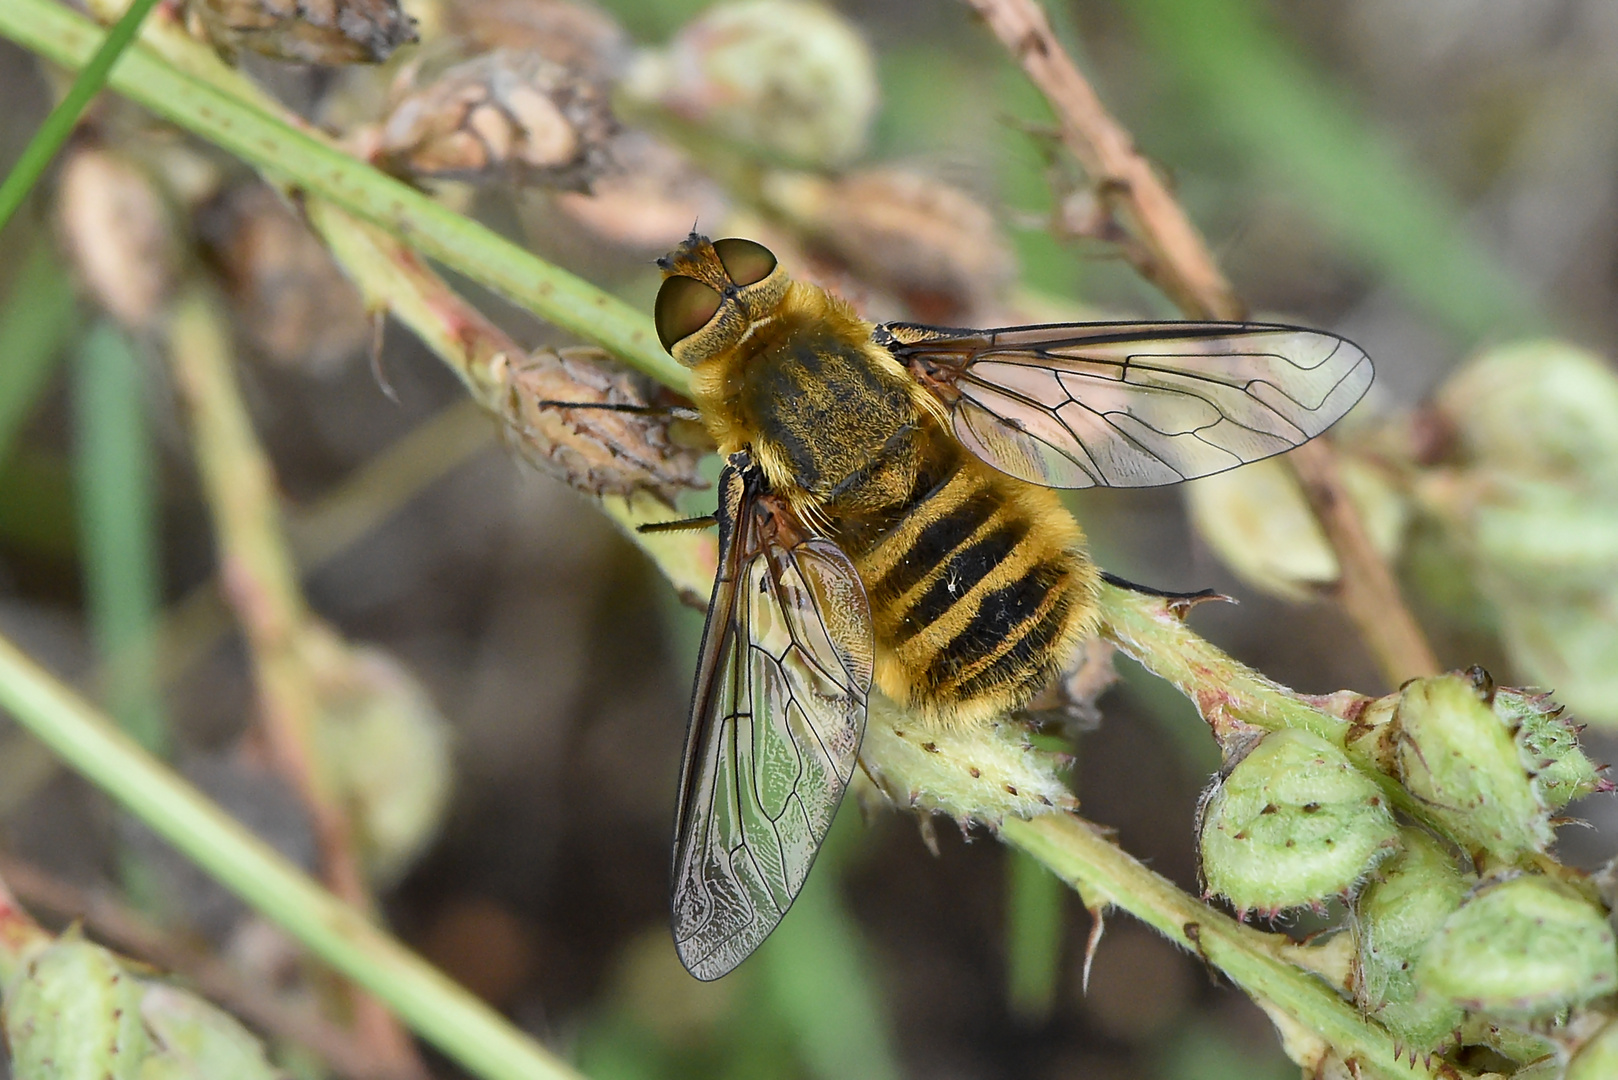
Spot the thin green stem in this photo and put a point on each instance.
(42, 148)
(307, 162)
(443, 1012)
(1103, 873)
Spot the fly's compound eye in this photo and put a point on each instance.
(747, 263)
(684, 306)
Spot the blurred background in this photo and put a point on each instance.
(1431, 180)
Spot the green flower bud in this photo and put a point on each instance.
(1596, 1059)
(1548, 746)
(197, 1041)
(1395, 916)
(73, 1013)
(1258, 521)
(387, 747)
(979, 773)
(789, 79)
(1539, 408)
(1522, 947)
(1455, 755)
(1292, 823)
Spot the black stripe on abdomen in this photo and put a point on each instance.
(969, 563)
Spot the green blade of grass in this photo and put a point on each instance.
(42, 148)
(36, 320)
(117, 505)
(1035, 901)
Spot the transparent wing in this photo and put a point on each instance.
(1134, 404)
(776, 721)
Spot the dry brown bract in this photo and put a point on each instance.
(574, 35)
(598, 451)
(120, 233)
(508, 115)
(307, 31)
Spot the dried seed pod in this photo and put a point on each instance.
(509, 115)
(1394, 917)
(1521, 947)
(575, 35)
(648, 202)
(933, 245)
(120, 232)
(285, 289)
(1257, 519)
(1291, 823)
(1597, 1059)
(598, 451)
(305, 31)
(782, 78)
(1454, 754)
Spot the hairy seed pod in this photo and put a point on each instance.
(120, 232)
(1548, 747)
(932, 245)
(286, 292)
(195, 1040)
(1597, 1059)
(1257, 519)
(305, 31)
(1454, 754)
(1520, 948)
(980, 773)
(785, 79)
(1292, 823)
(1395, 916)
(511, 116)
(74, 1011)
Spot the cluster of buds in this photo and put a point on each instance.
(1461, 912)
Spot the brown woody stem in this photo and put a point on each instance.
(1172, 254)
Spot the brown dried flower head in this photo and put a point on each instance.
(288, 295)
(649, 200)
(508, 115)
(120, 232)
(306, 31)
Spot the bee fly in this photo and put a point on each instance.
(886, 517)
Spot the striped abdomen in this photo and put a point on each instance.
(979, 587)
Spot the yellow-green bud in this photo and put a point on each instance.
(1538, 408)
(197, 1041)
(1570, 643)
(1394, 917)
(789, 79)
(1521, 947)
(1292, 823)
(73, 1013)
(1596, 1059)
(1456, 756)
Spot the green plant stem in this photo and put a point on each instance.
(447, 1015)
(308, 163)
(42, 148)
(1084, 857)
(1035, 903)
(36, 321)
